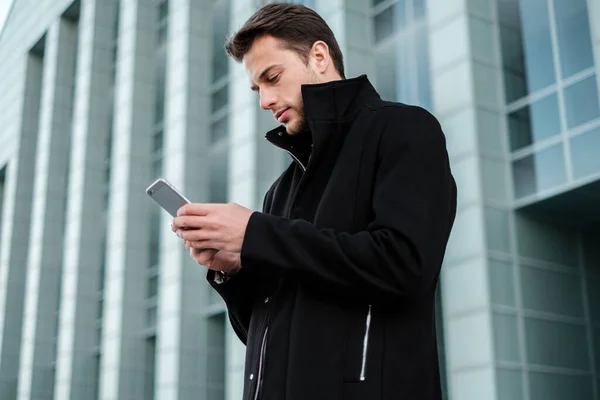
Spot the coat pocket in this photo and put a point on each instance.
(358, 341)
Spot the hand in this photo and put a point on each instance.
(217, 260)
(213, 226)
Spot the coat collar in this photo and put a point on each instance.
(328, 102)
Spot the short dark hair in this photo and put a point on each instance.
(299, 27)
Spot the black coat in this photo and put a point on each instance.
(335, 299)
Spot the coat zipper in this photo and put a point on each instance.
(260, 363)
(365, 346)
(263, 345)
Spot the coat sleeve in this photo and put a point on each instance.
(239, 292)
(399, 254)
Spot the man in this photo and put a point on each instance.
(332, 286)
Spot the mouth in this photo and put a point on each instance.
(281, 116)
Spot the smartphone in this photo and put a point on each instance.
(166, 196)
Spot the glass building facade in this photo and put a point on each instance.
(98, 300)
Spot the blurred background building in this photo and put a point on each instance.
(99, 300)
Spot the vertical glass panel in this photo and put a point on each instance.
(549, 386)
(150, 368)
(220, 18)
(506, 337)
(574, 40)
(216, 357)
(424, 82)
(386, 71)
(511, 38)
(539, 62)
(546, 344)
(585, 153)
(152, 286)
(419, 9)
(551, 292)
(550, 168)
(159, 100)
(581, 102)
(220, 98)
(596, 338)
(154, 237)
(510, 384)
(540, 171)
(501, 282)
(390, 20)
(219, 129)
(537, 121)
(219, 169)
(497, 230)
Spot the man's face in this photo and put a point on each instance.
(276, 74)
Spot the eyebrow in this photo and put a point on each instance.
(263, 74)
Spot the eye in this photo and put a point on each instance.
(274, 78)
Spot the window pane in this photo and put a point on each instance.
(512, 50)
(506, 341)
(551, 292)
(585, 150)
(424, 82)
(555, 386)
(154, 237)
(535, 122)
(419, 9)
(581, 102)
(539, 62)
(501, 283)
(386, 71)
(539, 172)
(220, 18)
(219, 175)
(219, 128)
(159, 100)
(574, 41)
(390, 20)
(220, 98)
(546, 344)
(152, 287)
(510, 384)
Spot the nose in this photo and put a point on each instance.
(267, 99)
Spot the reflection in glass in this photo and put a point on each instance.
(540, 171)
(539, 63)
(581, 102)
(220, 18)
(585, 153)
(534, 122)
(512, 50)
(574, 40)
(219, 167)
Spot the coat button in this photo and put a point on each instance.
(266, 300)
(251, 376)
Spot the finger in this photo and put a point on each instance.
(202, 245)
(201, 209)
(188, 222)
(196, 235)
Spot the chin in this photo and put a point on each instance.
(294, 127)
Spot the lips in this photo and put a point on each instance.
(281, 116)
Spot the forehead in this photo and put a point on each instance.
(266, 50)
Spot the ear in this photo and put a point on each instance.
(319, 56)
